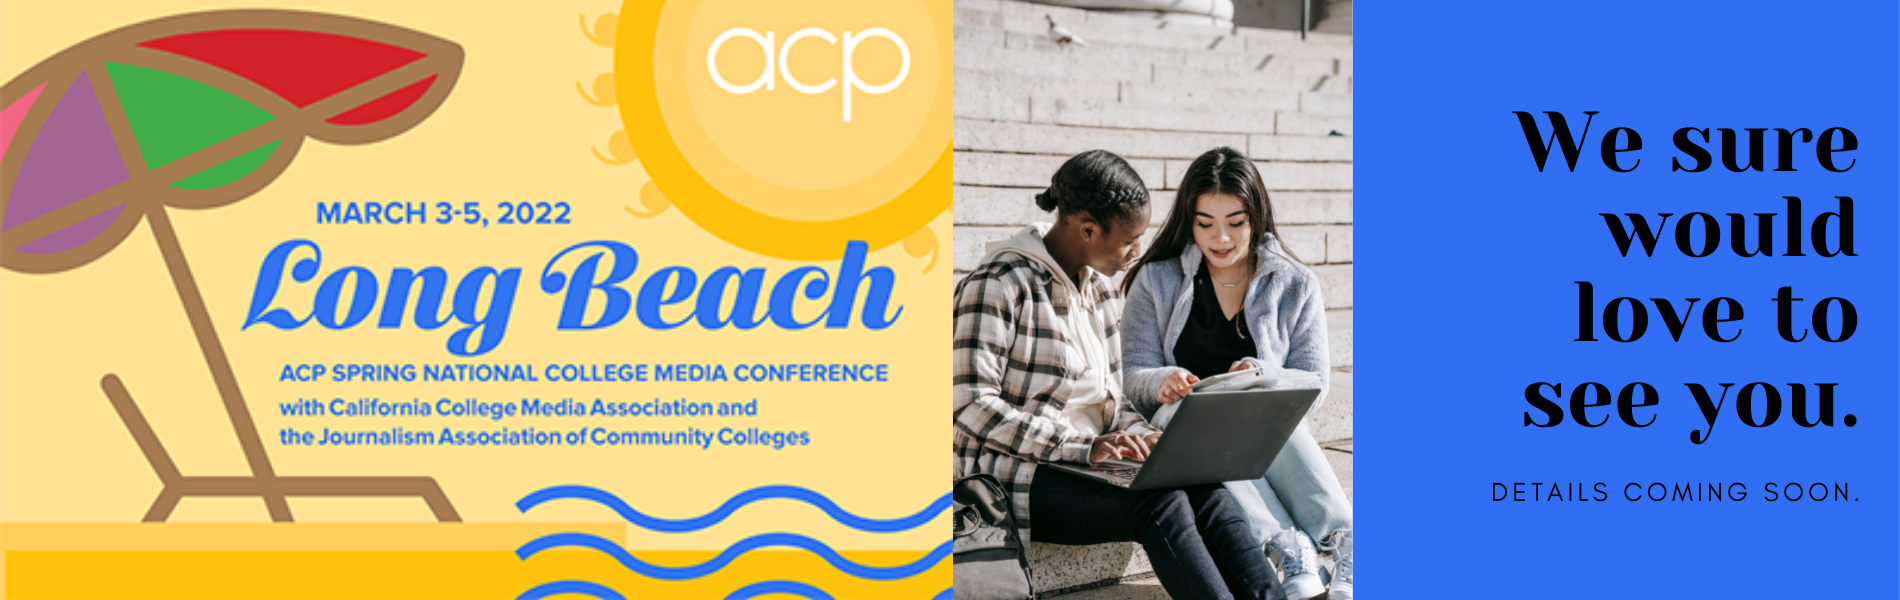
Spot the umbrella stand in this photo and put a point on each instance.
(263, 481)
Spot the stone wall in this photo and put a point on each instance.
(1158, 93)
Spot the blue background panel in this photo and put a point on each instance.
(1466, 258)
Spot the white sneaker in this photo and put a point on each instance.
(1342, 568)
(1292, 552)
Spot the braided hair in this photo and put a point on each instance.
(1097, 183)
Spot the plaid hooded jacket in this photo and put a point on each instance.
(1016, 359)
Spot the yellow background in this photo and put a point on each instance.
(514, 129)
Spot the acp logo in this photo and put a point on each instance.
(768, 76)
(791, 128)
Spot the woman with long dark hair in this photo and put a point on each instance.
(1038, 380)
(1216, 293)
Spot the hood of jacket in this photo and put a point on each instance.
(1028, 243)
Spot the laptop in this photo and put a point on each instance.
(1213, 437)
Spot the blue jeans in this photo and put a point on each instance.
(1299, 491)
(1196, 536)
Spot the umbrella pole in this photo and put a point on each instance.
(219, 363)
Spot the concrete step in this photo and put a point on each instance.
(1022, 86)
(1315, 176)
(1174, 19)
(1060, 140)
(1208, 94)
(979, 103)
(1145, 29)
(1290, 62)
(1304, 123)
(1307, 243)
(1325, 103)
(1094, 26)
(1300, 148)
(1338, 45)
(1031, 170)
(1054, 568)
(1335, 284)
(1015, 207)
(1314, 245)
(1318, 245)
(1141, 588)
(967, 246)
(1342, 467)
(1339, 337)
(1066, 140)
(1333, 421)
(1039, 43)
(1223, 9)
(1053, 64)
(1339, 244)
(995, 169)
(969, 243)
(1149, 18)
(1255, 80)
(1060, 109)
(995, 95)
(1054, 98)
(991, 96)
(1311, 207)
(1143, 67)
(998, 96)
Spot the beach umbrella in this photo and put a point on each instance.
(198, 111)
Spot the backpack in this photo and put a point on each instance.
(988, 560)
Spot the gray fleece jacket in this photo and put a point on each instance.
(1283, 309)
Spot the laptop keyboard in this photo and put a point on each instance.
(1125, 474)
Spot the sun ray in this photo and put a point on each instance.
(603, 95)
(923, 242)
(619, 148)
(602, 32)
(652, 200)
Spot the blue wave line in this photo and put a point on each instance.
(571, 587)
(627, 559)
(770, 492)
(778, 587)
(757, 589)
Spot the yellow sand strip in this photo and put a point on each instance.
(222, 574)
(385, 560)
(288, 536)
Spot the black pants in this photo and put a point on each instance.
(1196, 536)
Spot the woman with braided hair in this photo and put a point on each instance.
(1038, 380)
(1217, 293)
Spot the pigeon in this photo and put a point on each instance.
(1061, 34)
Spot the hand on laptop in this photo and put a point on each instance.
(1121, 445)
(1177, 386)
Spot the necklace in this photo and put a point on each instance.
(1210, 277)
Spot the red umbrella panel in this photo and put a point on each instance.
(198, 111)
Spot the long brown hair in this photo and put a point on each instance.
(1221, 170)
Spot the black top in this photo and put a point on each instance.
(1211, 342)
